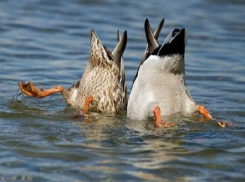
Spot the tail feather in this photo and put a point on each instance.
(151, 40)
(120, 47)
(122, 40)
(99, 54)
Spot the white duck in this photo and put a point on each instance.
(159, 88)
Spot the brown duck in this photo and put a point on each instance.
(102, 87)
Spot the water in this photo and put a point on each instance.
(47, 42)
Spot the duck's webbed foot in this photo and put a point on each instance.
(30, 90)
(207, 115)
(160, 123)
(224, 124)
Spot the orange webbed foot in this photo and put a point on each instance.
(160, 123)
(30, 90)
(224, 124)
(163, 124)
(207, 115)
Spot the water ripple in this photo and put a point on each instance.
(47, 42)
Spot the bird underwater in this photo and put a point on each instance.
(158, 89)
(102, 87)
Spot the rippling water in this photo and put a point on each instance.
(47, 42)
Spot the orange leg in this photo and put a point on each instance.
(204, 112)
(160, 123)
(88, 100)
(86, 106)
(30, 90)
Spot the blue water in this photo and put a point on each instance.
(48, 42)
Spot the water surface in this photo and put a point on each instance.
(47, 42)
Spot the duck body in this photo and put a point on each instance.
(157, 86)
(108, 93)
(102, 87)
(160, 80)
(103, 78)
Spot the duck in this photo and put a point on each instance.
(159, 88)
(102, 87)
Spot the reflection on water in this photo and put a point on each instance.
(47, 42)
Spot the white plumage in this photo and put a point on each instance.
(160, 80)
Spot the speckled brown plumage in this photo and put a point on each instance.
(103, 78)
